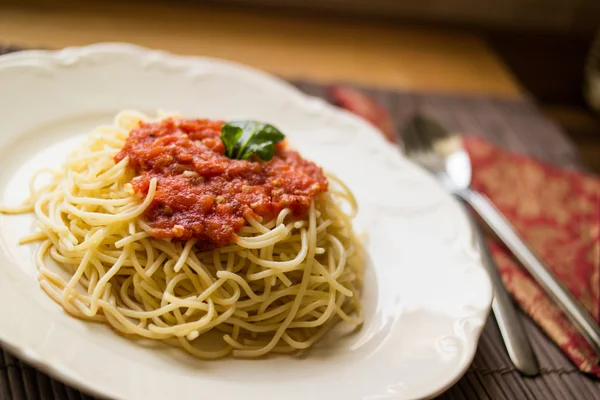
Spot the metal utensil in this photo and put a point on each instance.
(430, 145)
(418, 148)
(514, 336)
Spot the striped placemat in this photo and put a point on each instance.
(514, 124)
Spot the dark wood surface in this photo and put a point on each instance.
(583, 127)
(551, 68)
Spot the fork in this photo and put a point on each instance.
(419, 139)
(430, 145)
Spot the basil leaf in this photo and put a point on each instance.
(230, 135)
(242, 139)
(264, 150)
(249, 129)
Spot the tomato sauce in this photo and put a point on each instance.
(203, 194)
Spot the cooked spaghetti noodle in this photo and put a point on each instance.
(278, 287)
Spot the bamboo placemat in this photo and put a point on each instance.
(513, 124)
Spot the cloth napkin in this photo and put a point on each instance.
(556, 212)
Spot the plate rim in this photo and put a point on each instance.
(64, 55)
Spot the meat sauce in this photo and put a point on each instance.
(203, 194)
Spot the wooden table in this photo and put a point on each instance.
(318, 48)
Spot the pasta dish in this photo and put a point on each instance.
(171, 228)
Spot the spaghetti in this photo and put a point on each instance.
(279, 286)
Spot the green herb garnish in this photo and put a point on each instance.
(242, 139)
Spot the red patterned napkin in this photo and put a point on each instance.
(557, 213)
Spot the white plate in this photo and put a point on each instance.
(426, 297)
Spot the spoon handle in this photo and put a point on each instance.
(516, 341)
(582, 319)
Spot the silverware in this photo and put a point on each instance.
(442, 153)
(514, 336)
(420, 149)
